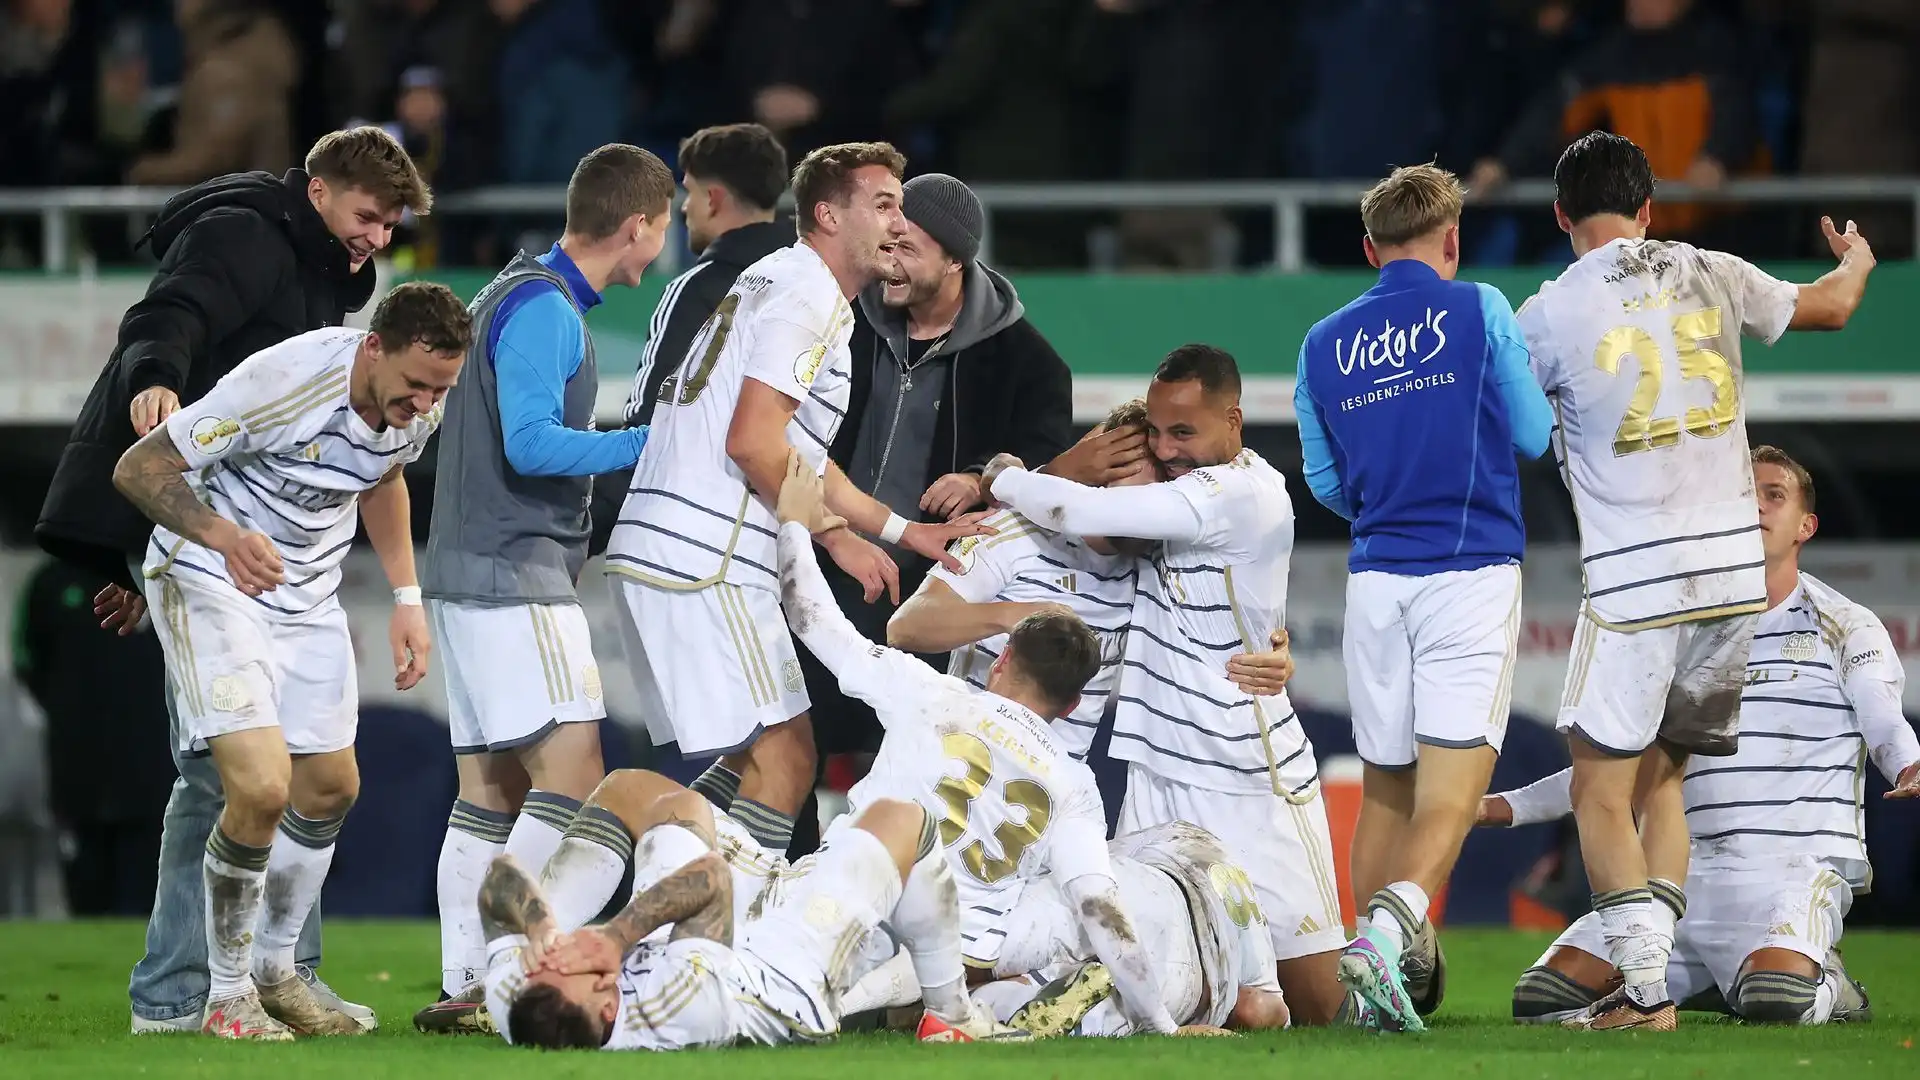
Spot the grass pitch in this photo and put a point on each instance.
(63, 1013)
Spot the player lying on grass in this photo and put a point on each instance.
(1199, 920)
(1011, 803)
(671, 971)
(1778, 849)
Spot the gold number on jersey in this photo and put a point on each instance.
(1236, 891)
(960, 792)
(1639, 429)
(677, 391)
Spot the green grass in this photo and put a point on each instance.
(63, 1012)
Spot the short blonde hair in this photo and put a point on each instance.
(1411, 202)
(368, 158)
(1127, 414)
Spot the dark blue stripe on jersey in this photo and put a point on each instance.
(1838, 706)
(1790, 663)
(728, 518)
(1724, 833)
(266, 499)
(1664, 578)
(664, 531)
(1195, 570)
(1043, 583)
(1163, 643)
(1724, 769)
(1244, 770)
(809, 433)
(814, 395)
(1833, 799)
(1792, 736)
(253, 523)
(1184, 722)
(1050, 561)
(362, 447)
(1213, 701)
(1755, 527)
(222, 578)
(296, 459)
(668, 570)
(306, 563)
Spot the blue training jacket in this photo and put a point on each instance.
(1412, 402)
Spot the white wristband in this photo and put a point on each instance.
(894, 529)
(407, 594)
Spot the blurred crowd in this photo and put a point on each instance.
(169, 92)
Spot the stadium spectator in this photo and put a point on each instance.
(1862, 87)
(383, 38)
(234, 113)
(1669, 80)
(48, 87)
(562, 87)
(815, 74)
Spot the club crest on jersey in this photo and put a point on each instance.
(790, 670)
(590, 681)
(228, 694)
(213, 434)
(807, 365)
(1800, 647)
(965, 550)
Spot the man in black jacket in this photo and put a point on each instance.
(247, 261)
(947, 372)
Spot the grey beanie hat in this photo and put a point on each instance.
(948, 210)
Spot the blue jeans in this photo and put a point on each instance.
(170, 981)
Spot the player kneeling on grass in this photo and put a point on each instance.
(632, 984)
(253, 490)
(1777, 845)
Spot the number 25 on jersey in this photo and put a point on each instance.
(1641, 430)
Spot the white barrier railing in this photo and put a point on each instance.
(1288, 199)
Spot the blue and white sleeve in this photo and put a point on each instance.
(1323, 479)
(540, 348)
(1528, 412)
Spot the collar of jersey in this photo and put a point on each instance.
(582, 293)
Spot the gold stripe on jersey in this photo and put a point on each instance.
(746, 643)
(677, 585)
(1586, 637)
(1312, 790)
(558, 645)
(672, 999)
(546, 657)
(316, 392)
(1324, 879)
(1656, 622)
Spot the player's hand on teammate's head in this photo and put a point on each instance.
(119, 610)
(150, 407)
(1265, 673)
(254, 563)
(407, 633)
(1494, 813)
(1101, 457)
(996, 465)
(1907, 785)
(954, 494)
(1846, 241)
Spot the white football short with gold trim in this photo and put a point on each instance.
(237, 665)
(1736, 906)
(514, 672)
(1430, 660)
(1679, 683)
(714, 666)
(1284, 847)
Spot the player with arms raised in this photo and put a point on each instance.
(1638, 345)
(694, 550)
(253, 490)
(1011, 803)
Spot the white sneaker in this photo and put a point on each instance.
(178, 1025)
(327, 996)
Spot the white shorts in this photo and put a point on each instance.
(1680, 683)
(1430, 660)
(1735, 907)
(1284, 847)
(714, 666)
(514, 672)
(237, 666)
(824, 933)
(1043, 937)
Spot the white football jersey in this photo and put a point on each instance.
(1023, 563)
(276, 447)
(1199, 604)
(1823, 694)
(690, 518)
(1638, 346)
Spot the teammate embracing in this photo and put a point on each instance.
(1638, 345)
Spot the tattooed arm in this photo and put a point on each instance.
(510, 902)
(152, 474)
(697, 899)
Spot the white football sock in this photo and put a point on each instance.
(475, 836)
(235, 876)
(544, 819)
(585, 870)
(302, 854)
(889, 986)
(1634, 943)
(927, 919)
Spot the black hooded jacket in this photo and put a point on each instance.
(246, 263)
